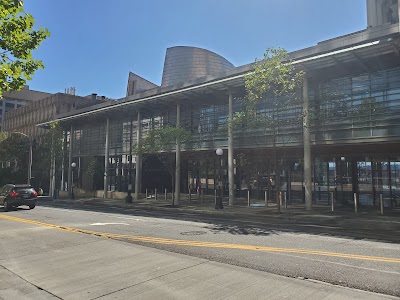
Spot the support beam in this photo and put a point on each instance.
(64, 149)
(178, 158)
(30, 161)
(307, 145)
(52, 169)
(71, 147)
(231, 178)
(138, 176)
(106, 158)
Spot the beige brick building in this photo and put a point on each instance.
(25, 118)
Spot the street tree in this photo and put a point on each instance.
(18, 39)
(14, 152)
(275, 81)
(95, 170)
(161, 142)
(47, 157)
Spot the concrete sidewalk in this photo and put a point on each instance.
(79, 266)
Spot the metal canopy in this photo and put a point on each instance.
(162, 97)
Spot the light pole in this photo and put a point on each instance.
(342, 171)
(73, 165)
(30, 154)
(219, 204)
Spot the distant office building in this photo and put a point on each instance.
(13, 100)
(380, 12)
(24, 119)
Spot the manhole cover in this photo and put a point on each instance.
(193, 233)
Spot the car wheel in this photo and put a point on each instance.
(6, 205)
(32, 206)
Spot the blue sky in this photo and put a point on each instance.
(95, 43)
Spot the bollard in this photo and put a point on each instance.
(284, 195)
(248, 197)
(202, 196)
(147, 194)
(265, 199)
(332, 202)
(155, 194)
(381, 202)
(355, 203)
(190, 195)
(215, 197)
(165, 197)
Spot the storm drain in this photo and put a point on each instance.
(193, 232)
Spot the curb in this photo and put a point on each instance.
(328, 220)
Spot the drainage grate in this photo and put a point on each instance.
(193, 232)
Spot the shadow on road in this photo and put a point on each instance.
(258, 226)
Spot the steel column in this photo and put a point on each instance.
(178, 158)
(138, 157)
(231, 178)
(307, 146)
(106, 158)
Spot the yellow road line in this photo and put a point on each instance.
(164, 241)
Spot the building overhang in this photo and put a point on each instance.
(357, 48)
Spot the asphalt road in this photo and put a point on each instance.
(284, 250)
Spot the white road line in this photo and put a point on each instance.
(103, 224)
(337, 263)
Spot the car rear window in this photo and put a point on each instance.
(24, 189)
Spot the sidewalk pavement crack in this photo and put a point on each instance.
(38, 287)
(148, 280)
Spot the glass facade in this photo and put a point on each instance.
(352, 110)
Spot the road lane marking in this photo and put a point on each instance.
(165, 241)
(103, 224)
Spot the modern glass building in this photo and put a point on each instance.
(351, 89)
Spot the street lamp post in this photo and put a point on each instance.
(73, 165)
(342, 171)
(219, 204)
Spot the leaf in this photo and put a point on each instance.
(18, 40)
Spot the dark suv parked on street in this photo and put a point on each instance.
(13, 195)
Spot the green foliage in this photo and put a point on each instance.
(274, 80)
(95, 167)
(163, 140)
(274, 75)
(17, 41)
(3, 136)
(13, 147)
(49, 145)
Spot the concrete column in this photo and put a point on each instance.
(178, 159)
(138, 157)
(71, 146)
(398, 11)
(64, 149)
(231, 175)
(307, 146)
(30, 161)
(106, 155)
(52, 184)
